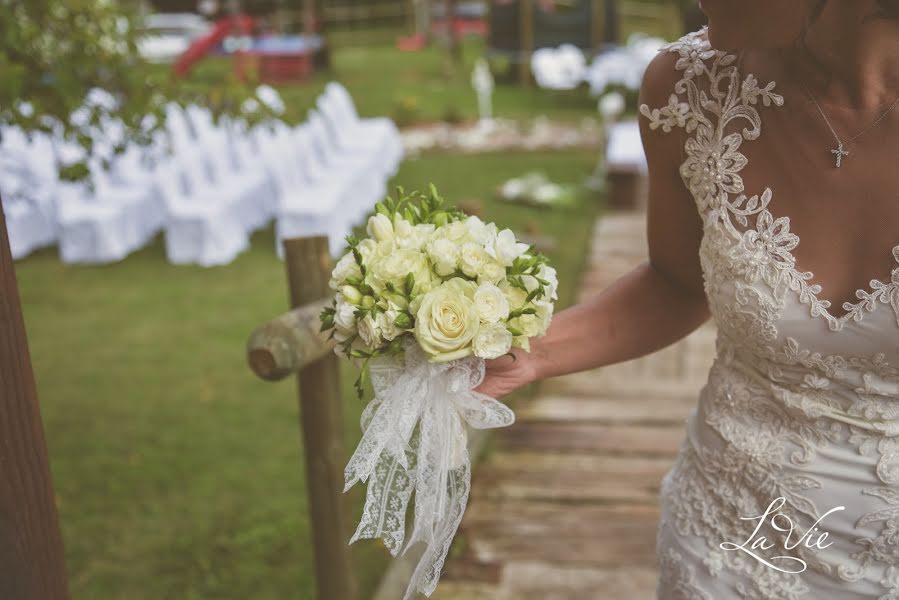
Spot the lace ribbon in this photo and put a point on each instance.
(414, 439)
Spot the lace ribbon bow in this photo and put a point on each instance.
(431, 459)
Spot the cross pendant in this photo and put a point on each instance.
(840, 153)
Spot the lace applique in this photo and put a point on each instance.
(679, 577)
(773, 402)
(711, 173)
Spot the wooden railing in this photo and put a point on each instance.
(291, 343)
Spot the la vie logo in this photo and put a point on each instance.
(813, 538)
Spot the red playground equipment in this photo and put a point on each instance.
(229, 25)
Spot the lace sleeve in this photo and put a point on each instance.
(707, 96)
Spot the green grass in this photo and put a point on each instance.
(380, 78)
(179, 475)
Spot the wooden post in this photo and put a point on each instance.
(308, 265)
(526, 33)
(597, 24)
(454, 45)
(32, 565)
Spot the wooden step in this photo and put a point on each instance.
(612, 439)
(595, 478)
(596, 535)
(638, 409)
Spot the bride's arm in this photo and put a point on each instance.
(657, 303)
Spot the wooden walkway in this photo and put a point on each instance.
(565, 507)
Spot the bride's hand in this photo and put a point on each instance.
(508, 373)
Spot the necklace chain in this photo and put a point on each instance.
(838, 151)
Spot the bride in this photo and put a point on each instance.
(773, 146)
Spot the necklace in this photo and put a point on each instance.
(838, 151)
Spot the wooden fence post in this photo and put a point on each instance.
(526, 39)
(308, 264)
(32, 565)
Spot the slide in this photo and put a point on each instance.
(230, 25)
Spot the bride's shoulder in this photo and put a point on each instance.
(687, 58)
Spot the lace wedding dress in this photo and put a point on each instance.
(799, 404)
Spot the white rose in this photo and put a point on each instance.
(380, 227)
(408, 235)
(504, 248)
(421, 233)
(344, 315)
(387, 324)
(369, 331)
(395, 266)
(491, 272)
(492, 341)
(456, 231)
(472, 258)
(516, 295)
(444, 255)
(366, 248)
(446, 320)
(535, 325)
(548, 273)
(492, 304)
(345, 267)
(478, 231)
(544, 314)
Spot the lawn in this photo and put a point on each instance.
(179, 475)
(382, 80)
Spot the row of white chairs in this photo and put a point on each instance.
(566, 67)
(219, 184)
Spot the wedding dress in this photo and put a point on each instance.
(799, 404)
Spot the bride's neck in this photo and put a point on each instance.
(854, 53)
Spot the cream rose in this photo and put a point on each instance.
(535, 325)
(344, 315)
(491, 303)
(492, 341)
(515, 295)
(369, 331)
(491, 272)
(346, 267)
(548, 273)
(387, 323)
(446, 320)
(394, 267)
(444, 256)
(472, 258)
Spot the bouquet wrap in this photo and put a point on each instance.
(415, 440)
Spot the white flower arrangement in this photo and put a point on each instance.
(458, 286)
(422, 302)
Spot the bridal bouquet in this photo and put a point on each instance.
(419, 304)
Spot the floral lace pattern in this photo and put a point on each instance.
(783, 394)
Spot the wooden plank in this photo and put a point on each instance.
(32, 565)
(643, 409)
(615, 535)
(465, 590)
(613, 380)
(568, 484)
(613, 439)
(535, 580)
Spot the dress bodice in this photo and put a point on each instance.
(790, 379)
(763, 305)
